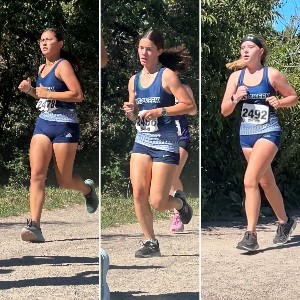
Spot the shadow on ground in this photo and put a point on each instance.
(240, 222)
(134, 295)
(294, 242)
(83, 278)
(47, 260)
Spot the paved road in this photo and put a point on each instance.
(174, 276)
(65, 267)
(271, 273)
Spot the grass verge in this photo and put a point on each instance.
(15, 201)
(116, 211)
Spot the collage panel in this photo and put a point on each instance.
(250, 158)
(150, 150)
(49, 149)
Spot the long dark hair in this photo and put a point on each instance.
(71, 58)
(175, 58)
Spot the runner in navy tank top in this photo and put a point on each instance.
(254, 87)
(56, 131)
(155, 153)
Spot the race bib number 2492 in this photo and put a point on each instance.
(255, 113)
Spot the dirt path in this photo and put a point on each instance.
(271, 273)
(174, 276)
(65, 267)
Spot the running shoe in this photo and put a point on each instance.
(150, 249)
(177, 225)
(186, 212)
(249, 242)
(105, 294)
(91, 199)
(32, 233)
(284, 231)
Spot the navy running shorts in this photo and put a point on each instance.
(185, 144)
(58, 132)
(157, 155)
(248, 141)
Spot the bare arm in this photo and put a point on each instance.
(130, 106)
(280, 84)
(232, 91)
(65, 73)
(172, 84)
(190, 93)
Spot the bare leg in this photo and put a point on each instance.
(176, 183)
(162, 176)
(64, 156)
(140, 176)
(273, 195)
(259, 160)
(40, 155)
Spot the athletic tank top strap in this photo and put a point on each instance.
(54, 68)
(241, 78)
(54, 84)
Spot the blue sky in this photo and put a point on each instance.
(289, 8)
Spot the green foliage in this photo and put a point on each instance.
(21, 23)
(122, 23)
(116, 211)
(14, 200)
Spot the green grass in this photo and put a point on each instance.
(116, 211)
(15, 201)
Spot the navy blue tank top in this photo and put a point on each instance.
(165, 136)
(52, 83)
(182, 126)
(154, 96)
(257, 95)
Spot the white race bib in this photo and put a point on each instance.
(255, 113)
(142, 125)
(46, 105)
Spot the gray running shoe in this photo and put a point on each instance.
(186, 212)
(91, 199)
(32, 233)
(249, 242)
(284, 231)
(149, 249)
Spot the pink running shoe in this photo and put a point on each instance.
(177, 225)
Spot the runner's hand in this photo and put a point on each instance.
(241, 93)
(150, 114)
(41, 91)
(274, 101)
(25, 85)
(128, 107)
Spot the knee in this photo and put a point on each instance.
(267, 184)
(140, 196)
(37, 177)
(250, 182)
(157, 204)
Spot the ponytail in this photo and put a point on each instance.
(177, 59)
